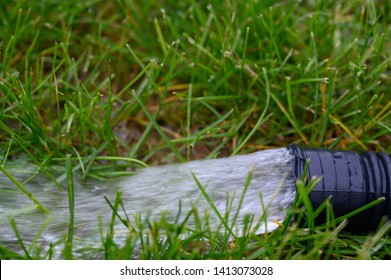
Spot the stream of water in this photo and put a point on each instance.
(151, 192)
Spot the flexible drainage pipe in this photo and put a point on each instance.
(352, 180)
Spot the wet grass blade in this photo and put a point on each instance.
(212, 205)
(24, 190)
(71, 201)
(20, 240)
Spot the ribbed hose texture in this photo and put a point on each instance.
(352, 180)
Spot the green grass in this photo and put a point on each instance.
(102, 87)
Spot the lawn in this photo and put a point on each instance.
(101, 88)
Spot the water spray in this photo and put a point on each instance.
(257, 187)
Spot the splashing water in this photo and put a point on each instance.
(158, 190)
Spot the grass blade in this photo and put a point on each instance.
(21, 243)
(24, 190)
(71, 201)
(159, 130)
(209, 200)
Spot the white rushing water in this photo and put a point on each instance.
(158, 190)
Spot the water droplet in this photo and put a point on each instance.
(337, 155)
